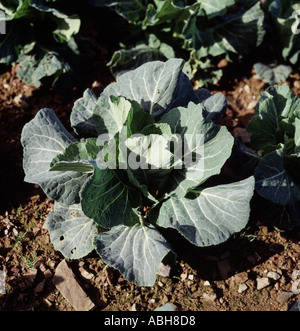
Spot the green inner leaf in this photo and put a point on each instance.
(109, 201)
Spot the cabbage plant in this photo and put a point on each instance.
(201, 31)
(139, 160)
(40, 35)
(275, 134)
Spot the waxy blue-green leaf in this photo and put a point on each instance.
(274, 118)
(273, 182)
(135, 251)
(110, 114)
(43, 138)
(238, 32)
(166, 10)
(214, 8)
(212, 217)
(153, 49)
(212, 143)
(40, 22)
(82, 115)
(271, 73)
(34, 67)
(286, 17)
(214, 105)
(157, 86)
(71, 232)
(67, 25)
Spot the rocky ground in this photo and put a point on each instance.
(258, 269)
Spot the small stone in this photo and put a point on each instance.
(273, 275)
(222, 64)
(183, 276)
(242, 288)
(47, 302)
(164, 270)
(19, 101)
(133, 307)
(296, 287)
(96, 84)
(210, 296)
(65, 281)
(262, 282)
(241, 277)
(297, 84)
(295, 274)
(284, 297)
(160, 284)
(85, 274)
(252, 104)
(247, 88)
(206, 283)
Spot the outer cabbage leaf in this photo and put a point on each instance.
(34, 67)
(43, 138)
(213, 216)
(28, 21)
(156, 86)
(82, 115)
(214, 105)
(135, 251)
(286, 16)
(274, 118)
(237, 33)
(273, 181)
(272, 74)
(214, 8)
(164, 11)
(124, 60)
(71, 232)
(16, 9)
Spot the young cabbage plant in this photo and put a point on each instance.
(145, 151)
(275, 134)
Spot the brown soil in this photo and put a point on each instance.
(202, 279)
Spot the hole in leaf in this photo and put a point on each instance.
(73, 250)
(61, 238)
